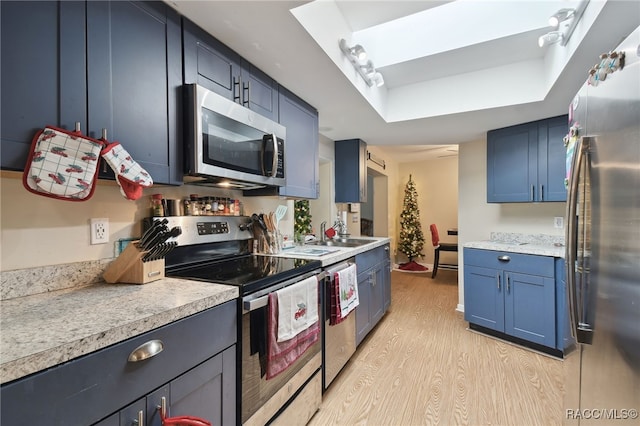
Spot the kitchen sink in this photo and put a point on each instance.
(342, 242)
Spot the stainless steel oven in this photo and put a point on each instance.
(230, 145)
(216, 249)
(262, 397)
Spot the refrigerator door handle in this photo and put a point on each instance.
(579, 330)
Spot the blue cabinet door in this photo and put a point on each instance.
(530, 308)
(363, 311)
(377, 294)
(259, 92)
(208, 391)
(210, 63)
(484, 297)
(43, 73)
(301, 160)
(512, 164)
(134, 81)
(351, 171)
(551, 159)
(386, 272)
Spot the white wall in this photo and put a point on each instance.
(436, 183)
(477, 218)
(39, 231)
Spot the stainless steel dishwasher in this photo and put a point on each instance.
(339, 341)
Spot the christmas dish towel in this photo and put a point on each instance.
(297, 308)
(348, 283)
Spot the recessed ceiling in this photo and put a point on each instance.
(478, 69)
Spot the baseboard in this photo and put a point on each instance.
(460, 308)
(541, 349)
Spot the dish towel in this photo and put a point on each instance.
(348, 281)
(297, 308)
(282, 355)
(333, 297)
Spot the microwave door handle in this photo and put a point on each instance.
(274, 166)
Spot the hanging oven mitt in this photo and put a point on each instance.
(131, 177)
(62, 165)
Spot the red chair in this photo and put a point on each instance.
(438, 247)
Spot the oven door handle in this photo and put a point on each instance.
(252, 305)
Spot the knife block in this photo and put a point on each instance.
(129, 268)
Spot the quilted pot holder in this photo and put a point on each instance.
(62, 165)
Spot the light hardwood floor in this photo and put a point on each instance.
(421, 366)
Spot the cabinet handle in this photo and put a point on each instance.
(504, 258)
(246, 88)
(541, 192)
(236, 84)
(163, 407)
(140, 420)
(146, 350)
(508, 284)
(498, 280)
(532, 192)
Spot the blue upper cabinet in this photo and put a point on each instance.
(351, 171)
(43, 73)
(213, 65)
(128, 83)
(301, 160)
(134, 81)
(526, 163)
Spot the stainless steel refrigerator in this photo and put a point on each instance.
(602, 383)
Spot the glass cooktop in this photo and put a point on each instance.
(249, 272)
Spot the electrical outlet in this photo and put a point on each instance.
(558, 222)
(99, 231)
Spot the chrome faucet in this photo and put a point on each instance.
(323, 229)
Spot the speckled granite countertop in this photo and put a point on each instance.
(538, 244)
(42, 330)
(335, 254)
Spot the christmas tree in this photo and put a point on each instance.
(302, 220)
(411, 237)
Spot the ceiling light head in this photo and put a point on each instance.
(378, 80)
(358, 52)
(368, 69)
(550, 38)
(560, 16)
(355, 53)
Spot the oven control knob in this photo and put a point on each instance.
(245, 226)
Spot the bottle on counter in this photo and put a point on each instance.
(157, 208)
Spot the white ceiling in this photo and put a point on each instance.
(478, 66)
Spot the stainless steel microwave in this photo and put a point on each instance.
(229, 145)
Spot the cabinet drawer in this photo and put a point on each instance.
(84, 390)
(518, 262)
(369, 259)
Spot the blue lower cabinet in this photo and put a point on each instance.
(195, 373)
(514, 294)
(374, 289)
(530, 308)
(484, 299)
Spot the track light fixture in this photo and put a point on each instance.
(561, 16)
(357, 56)
(550, 38)
(564, 21)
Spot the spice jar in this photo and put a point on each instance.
(157, 209)
(194, 205)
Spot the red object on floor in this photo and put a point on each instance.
(412, 266)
